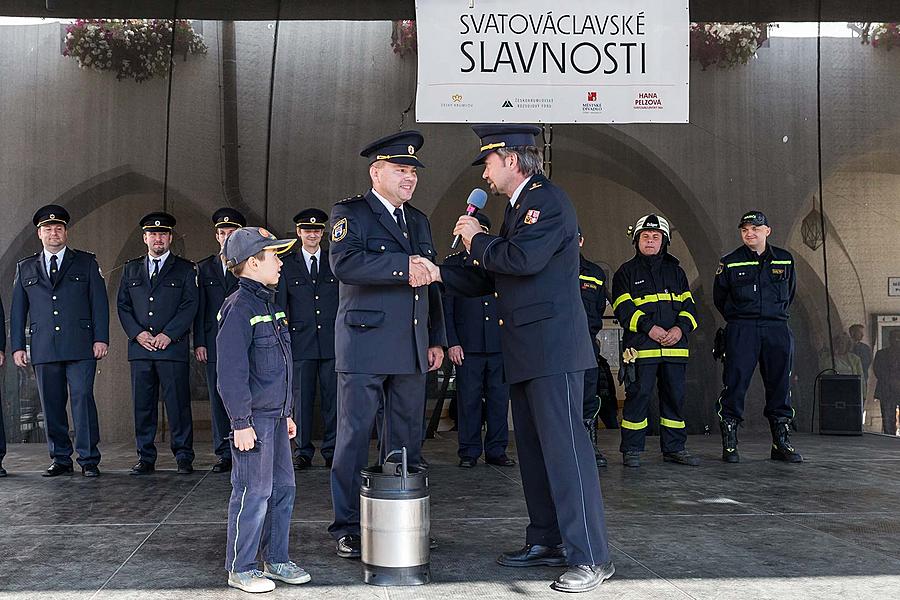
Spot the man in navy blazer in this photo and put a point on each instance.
(389, 330)
(308, 291)
(215, 283)
(533, 267)
(157, 303)
(59, 296)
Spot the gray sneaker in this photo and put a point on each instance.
(287, 572)
(251, 581)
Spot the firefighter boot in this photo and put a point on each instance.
(591, 426)
(729, 441)
(781, 442)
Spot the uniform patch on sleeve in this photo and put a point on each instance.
(339, 231)
(720, 269)
(532, 216)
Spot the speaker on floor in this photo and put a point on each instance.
(840, 405)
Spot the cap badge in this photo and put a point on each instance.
(52, 216)
(411, 149)
(156, 222)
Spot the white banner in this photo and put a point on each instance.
(584, 61)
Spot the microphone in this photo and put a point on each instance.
(477, 200)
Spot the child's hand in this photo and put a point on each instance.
(244, 439)
(292, 428)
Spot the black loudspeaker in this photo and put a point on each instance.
(840, 405)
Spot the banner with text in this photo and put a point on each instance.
(584, 61)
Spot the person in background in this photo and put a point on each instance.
(887, 390)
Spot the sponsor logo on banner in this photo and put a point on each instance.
(593, 105)
(592, 96)
(456, 101)
(648, 101)
(507, 104)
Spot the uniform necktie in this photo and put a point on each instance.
(53, 269)
(155, 269)
(313, 268)
(401, 222)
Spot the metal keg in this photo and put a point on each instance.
(395, 523)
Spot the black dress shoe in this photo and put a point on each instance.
(534, 555)
(501, 461)
(90, 471)
(221, 466)
(423, 464)
(301, 463)
(583, 578)
(142, 468)
(184, 467)
(57, 469)
(467, 462)
(349, 547)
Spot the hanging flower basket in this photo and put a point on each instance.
(403, 38)
(884, 35)
(726, 45)
(133, 49)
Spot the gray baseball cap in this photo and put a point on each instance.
(248, 241)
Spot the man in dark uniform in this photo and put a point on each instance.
(473, 337)
(656, 309)
(215, 283)
(591, 279)
(389, 330)
(309, 292)
(157, 303)
(2, 361)
(754, 289)
(533, 267)
(59, 294)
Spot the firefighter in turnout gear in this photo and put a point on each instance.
(754, 289)
(592, 280)
(655, 307)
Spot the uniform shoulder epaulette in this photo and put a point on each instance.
(21, 260)
(536, 185)
(414, 209)
(203, 260)
(452, 255)
(352, 199)
(85, 252)
(135, 259)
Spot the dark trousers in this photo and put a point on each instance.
(262, 498)
(670, 379)
(591, 404)
(148, 377)
(480, 376)
(221, 423)
(746, 345)
(57, 382)
(2, 433)
(359, 396)
(559, 474)
(888, 416)
(306, 373)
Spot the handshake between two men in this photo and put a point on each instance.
(424, 272)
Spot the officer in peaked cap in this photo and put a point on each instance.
(157, 302)
(309, 292)
(389, 330)
(533, 267)
(59, 296)
(215, 283)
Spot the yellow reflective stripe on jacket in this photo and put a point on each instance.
(632, 325)
(266, 318)
(671, 424)
(682, 297)
(620, 300)
(689, 316)
(280, 315)
(663, 352)
(652, 298)
(632, 425)
(749, 263)
(592, 279)
(782, 262)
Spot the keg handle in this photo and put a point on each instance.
(403, 466)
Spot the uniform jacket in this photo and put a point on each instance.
(533, 267)
(254, 368)
(650, 292)
(592, 280)
(471, 322)
(755, 287)
(168, 306)
(214, 285)
(2, 328)
(65, 319)
(311, 307)
(383, 326)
